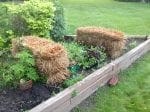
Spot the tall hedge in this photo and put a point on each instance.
(5, 32)
(58, 30)
(32, 17)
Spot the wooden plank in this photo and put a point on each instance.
(84, 84)
(136, 36)
(139, 51)
(63, 107)
(89, 90)
(126, 60)
(127, 36)
(94, 77)
(53, 102)
(86, 92)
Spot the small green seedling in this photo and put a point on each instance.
(133, 45)
(74, 93)
(53, 93)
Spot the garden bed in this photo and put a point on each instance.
(72, 96)
(15, 100)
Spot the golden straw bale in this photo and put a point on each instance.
(35, 43)
(112, 40)
(51, 58)
(54, 65)
(48, 52)
(59, 77)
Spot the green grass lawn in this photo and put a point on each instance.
(132, 94)
(131, 18)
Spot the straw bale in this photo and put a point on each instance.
(51, 58)
(112, 40)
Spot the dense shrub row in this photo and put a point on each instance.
(85, 56)
(20, 68)
(41, 18)
(32, 17)
(58, 29)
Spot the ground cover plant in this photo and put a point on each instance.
(39, 18)
(85, 56)
(15, 69)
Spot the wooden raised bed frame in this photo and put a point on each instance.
(65, 100)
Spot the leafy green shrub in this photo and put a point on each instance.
(132, 45)
(58, 30)
(95, 55)
(74, 93)
(25, 66)
(1, 43)
(22, 68)
(84, 56)
(4, 20)
(29, 18)
(3, 50)
(32, 17)
(75, 51)
(4, 46)
(6, 33)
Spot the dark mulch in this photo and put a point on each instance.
(15, 100)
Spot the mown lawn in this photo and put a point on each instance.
(132, 94)
(131, 18)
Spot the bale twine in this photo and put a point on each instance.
(112, 40)
(51, 58)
